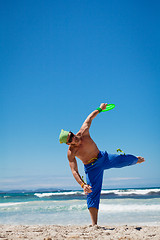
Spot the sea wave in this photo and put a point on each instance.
(109, 193)
(41, 207)
(132, 192)
(47, 207)
(129, 208)
(41, 195)
(8, 204)
(79, 194)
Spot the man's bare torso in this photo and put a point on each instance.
(86, 150)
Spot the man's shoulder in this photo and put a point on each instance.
(71, 149)
(71, 153)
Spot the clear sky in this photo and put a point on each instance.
(58, 61)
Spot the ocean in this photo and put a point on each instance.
(117, 207)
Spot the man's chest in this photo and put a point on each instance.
(84, 148)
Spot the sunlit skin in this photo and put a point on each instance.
(83, 147)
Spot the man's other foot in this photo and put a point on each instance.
(140, 160)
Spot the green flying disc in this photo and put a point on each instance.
(109, 107)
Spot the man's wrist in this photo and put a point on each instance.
(99, 109)
(82, 185)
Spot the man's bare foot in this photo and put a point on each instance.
(140, 160)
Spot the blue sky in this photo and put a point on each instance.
(59, 61)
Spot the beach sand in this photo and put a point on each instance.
(57, 232)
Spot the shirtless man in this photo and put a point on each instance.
(95, 161)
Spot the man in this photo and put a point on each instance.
(95, 161)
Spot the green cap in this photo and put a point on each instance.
(63, 136)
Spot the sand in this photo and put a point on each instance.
(56, 232)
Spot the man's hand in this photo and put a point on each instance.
(87, 189)
(103, 106)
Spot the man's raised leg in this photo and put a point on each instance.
(94, 215)
(119, 161)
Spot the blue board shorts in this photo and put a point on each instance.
(94, 173)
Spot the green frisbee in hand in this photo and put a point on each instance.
(109, 107)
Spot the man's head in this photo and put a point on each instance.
(63, 136)
(68, 137)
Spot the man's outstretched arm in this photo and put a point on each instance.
(91, 116)
(74, 169)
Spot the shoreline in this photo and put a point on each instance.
(59, 232)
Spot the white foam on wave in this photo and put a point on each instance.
(116, 192)
(131, 192)
(40, 195)
(66, 208)
(7, 196)
(12, 204)
(128, 208)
